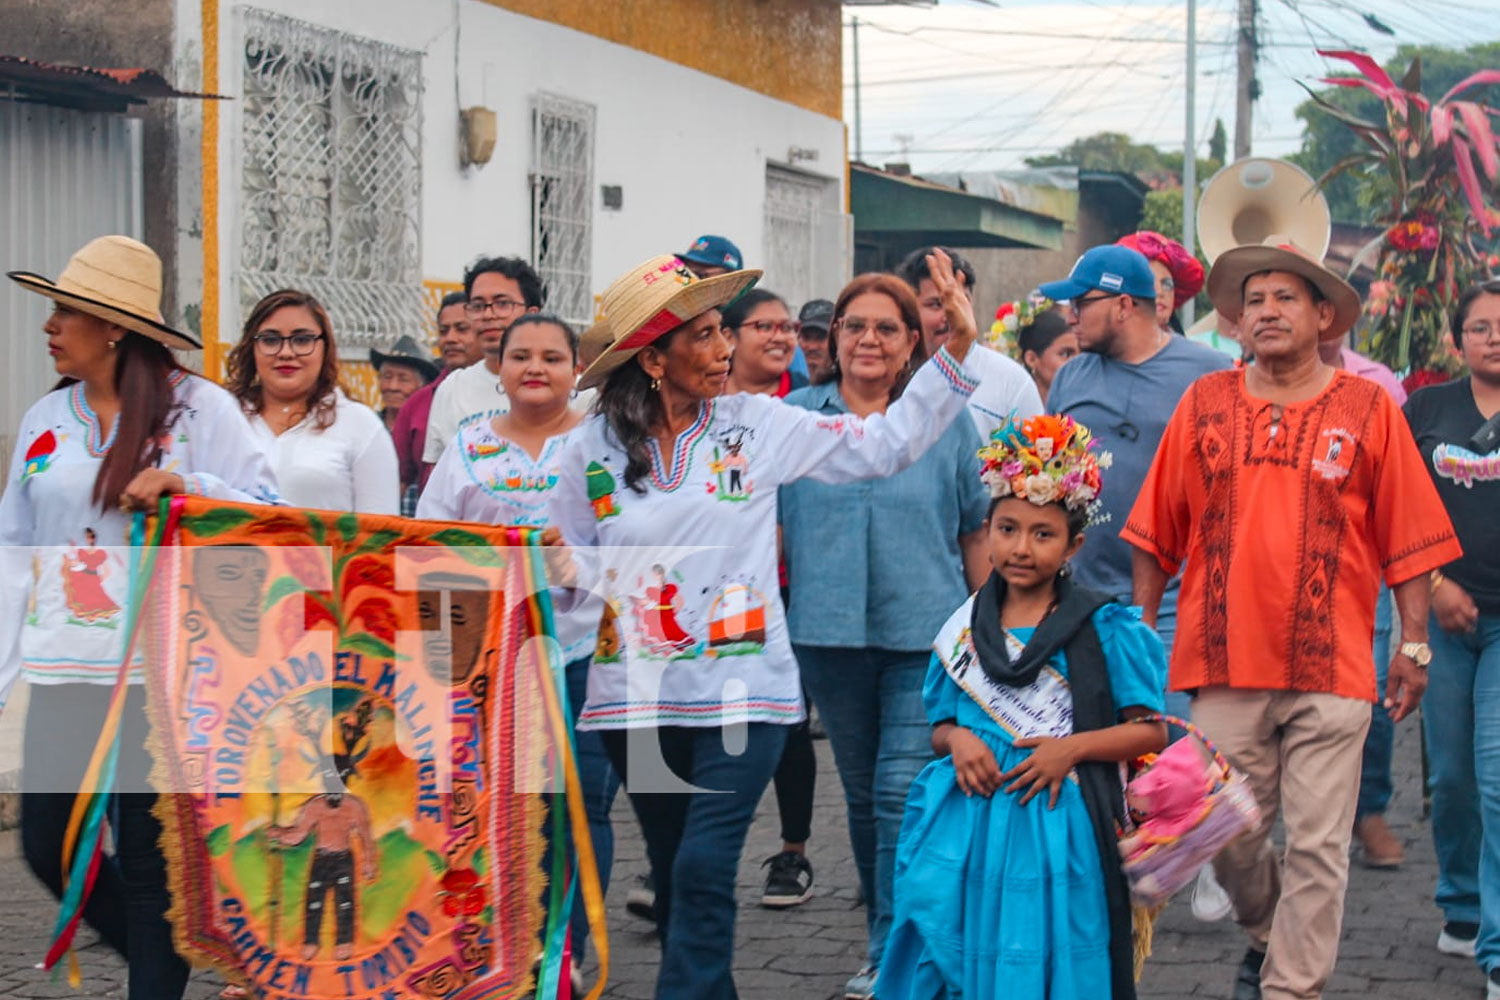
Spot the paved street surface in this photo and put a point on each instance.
(1390, 924)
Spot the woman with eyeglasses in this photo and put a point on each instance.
(765, 339)
(1457, 428)
(872, 567)
(329, 452)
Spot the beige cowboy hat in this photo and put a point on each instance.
(1226, 281)
(117, 279)
(654, 298)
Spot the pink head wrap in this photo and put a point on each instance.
(1187, 273)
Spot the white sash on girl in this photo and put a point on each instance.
(1045, 708)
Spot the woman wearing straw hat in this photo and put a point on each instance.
(329, 451)
(83, 461)
(678, 489)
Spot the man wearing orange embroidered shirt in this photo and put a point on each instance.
(1288, 488)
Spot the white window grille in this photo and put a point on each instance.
(806, 238)
(562, 204)
(331, 183)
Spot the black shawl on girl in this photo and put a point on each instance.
(1069, 628)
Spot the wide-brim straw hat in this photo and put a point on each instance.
(1226, 280)
(596, 338)
(117, 279)
(654, 298)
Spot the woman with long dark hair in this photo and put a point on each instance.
(678, 487)
(329, 452)
(1047, 343)
(126, 425)
(874, 568)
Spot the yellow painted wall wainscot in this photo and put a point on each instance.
(786, 49)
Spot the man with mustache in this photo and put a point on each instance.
(1288, 490)
(458, 348)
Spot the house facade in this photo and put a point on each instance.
(341, 161)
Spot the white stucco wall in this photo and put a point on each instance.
(689, 150)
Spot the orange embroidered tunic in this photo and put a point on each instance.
(1286, 519)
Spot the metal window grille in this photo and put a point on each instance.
(331, 178)
(562, 185)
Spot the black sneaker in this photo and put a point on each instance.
(641, 900)
(789, 882)
(1247, 980)
(1492, 985)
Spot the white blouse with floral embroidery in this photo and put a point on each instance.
(487, 479)
(695, 634)
(64, 564)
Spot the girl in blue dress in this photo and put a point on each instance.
(1008, 879)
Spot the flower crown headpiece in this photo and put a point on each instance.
(1012, 317)
(1045, 459)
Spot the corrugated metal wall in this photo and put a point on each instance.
(65, 178)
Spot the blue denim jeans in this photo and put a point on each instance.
(1179, 703)
(870, 701)
(1375, 772)
(694, 839)
(1462, 708)
(599, 783)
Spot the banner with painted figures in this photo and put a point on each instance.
(351, 726)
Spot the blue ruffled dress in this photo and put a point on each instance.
(995, 899)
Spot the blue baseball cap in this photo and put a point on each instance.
(1110, 268)
(714, 251)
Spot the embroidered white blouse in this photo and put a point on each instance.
(349, 465)
(487, 479)
(695, 634)
(63, 563)
(471, 391)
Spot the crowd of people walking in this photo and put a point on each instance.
(996, 579)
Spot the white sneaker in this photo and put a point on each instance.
(1210, 902)
(1458, 939)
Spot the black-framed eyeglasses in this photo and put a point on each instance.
(500, 306)
(303, 342)
(1077, 304)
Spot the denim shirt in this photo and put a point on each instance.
(876, 564)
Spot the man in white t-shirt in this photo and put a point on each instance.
(498, 290)
(1004, 386)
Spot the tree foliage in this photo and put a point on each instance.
(1326, 141)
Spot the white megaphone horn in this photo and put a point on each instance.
(1257, 197)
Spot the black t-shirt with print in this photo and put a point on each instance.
(1443, 419)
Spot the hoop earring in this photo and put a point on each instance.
(656, 385)
(111, 344)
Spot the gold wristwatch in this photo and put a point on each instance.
(1418, 652)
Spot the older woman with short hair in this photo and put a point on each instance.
(678, 489)
(874, 570)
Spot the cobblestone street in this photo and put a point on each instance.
(1390, 923)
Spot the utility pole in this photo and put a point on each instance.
(859, 142)
(1190, 150)
(1246, 88)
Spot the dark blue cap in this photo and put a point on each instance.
(714, 251)
(1110, 268)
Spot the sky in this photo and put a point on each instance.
(973, 85)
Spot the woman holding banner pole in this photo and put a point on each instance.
(126, 425)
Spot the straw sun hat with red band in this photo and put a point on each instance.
(117, 279)
(655, 298)
(1187, 273)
